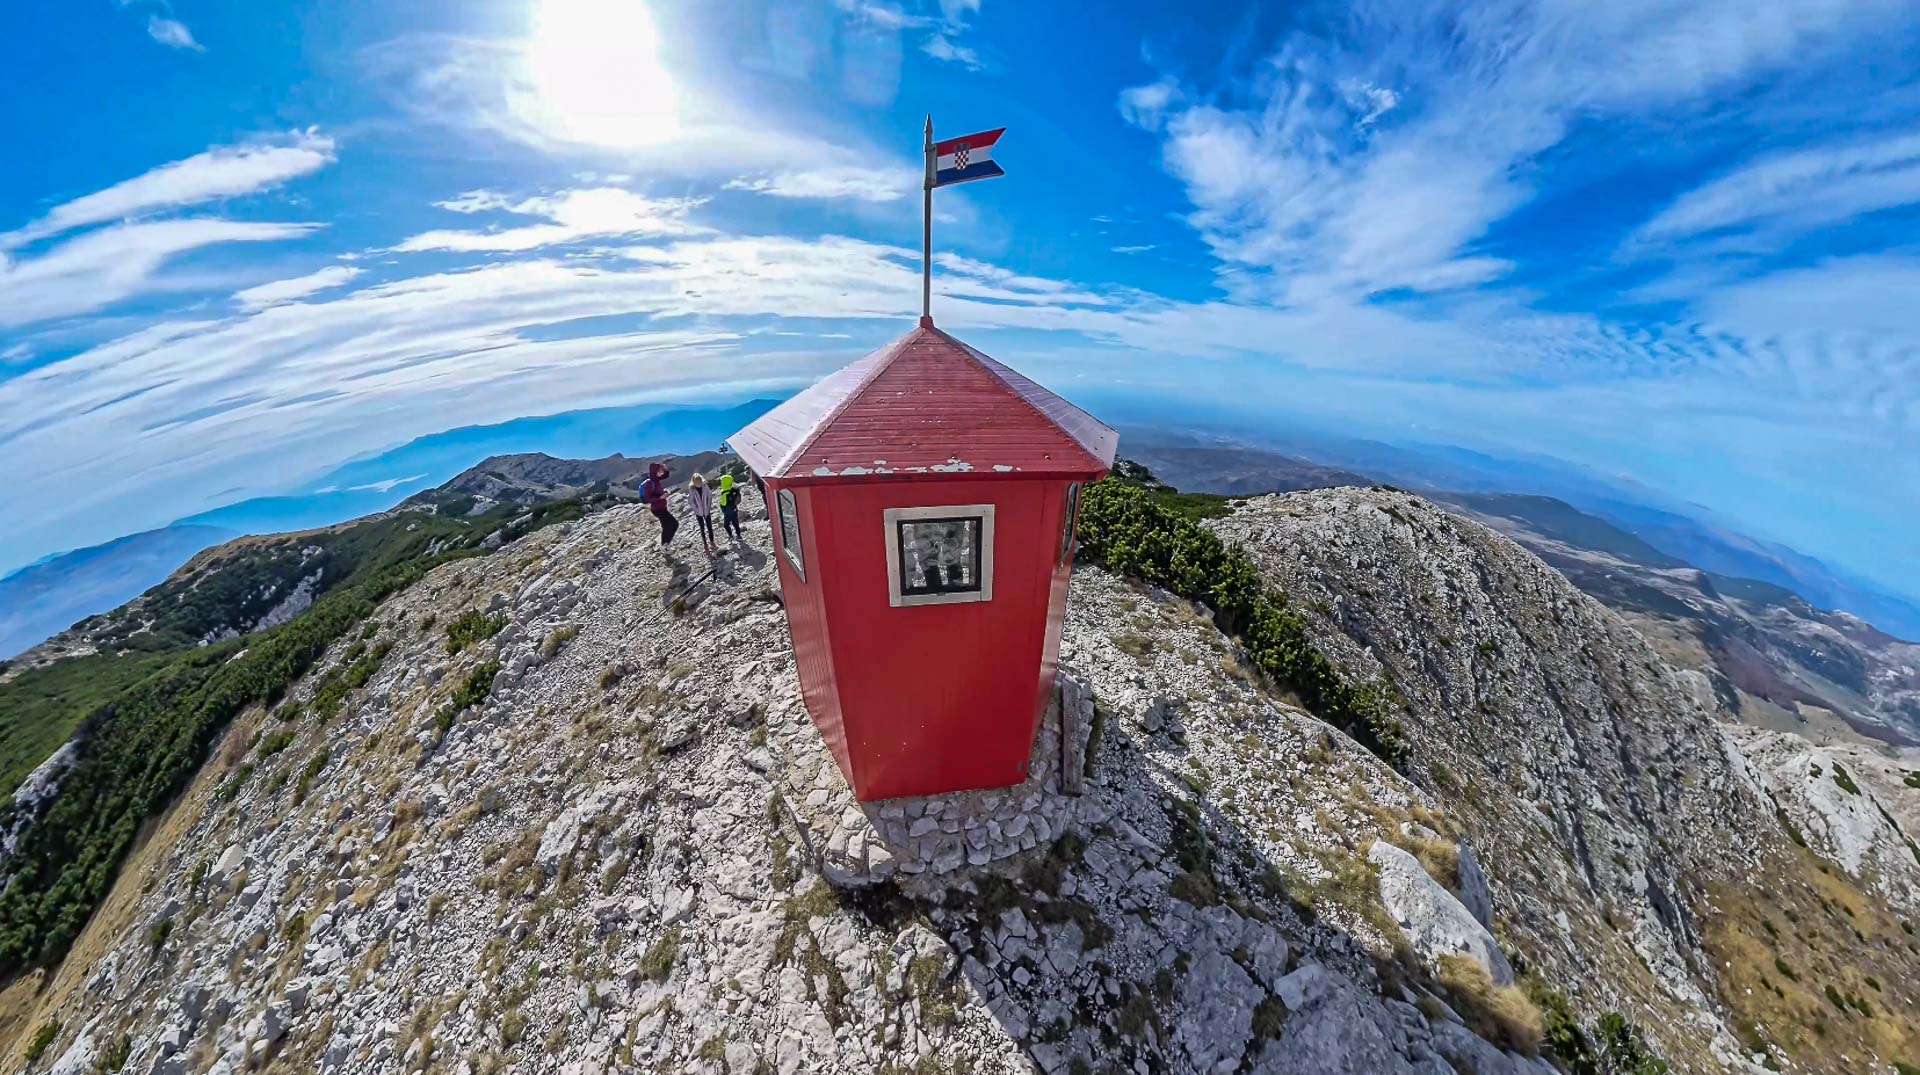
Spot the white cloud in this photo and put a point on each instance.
(268, 396)
(1308, 192)
(943, 47)
(1794, 191)
(299, 287)
(1140, 248)
(476, 201)
(958, 11)
(573, 215)
(880, 15)
(386, 485)
(108, 265)
(222, 172)
(1370, 100)
(868, 184)
(1146, 106)
(172, 33)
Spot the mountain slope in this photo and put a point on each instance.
(1631, 837)
(533, 477)
(573, 817)
(612, 848)
(46, 598)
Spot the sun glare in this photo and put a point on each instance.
(595, 69)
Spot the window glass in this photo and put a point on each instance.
(790, 532)
(1068, 519)
(939, 556)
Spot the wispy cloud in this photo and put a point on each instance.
(573, 215)
(943, 47)
(172, 33)
(222, 172)
(1140, 248)
(1324, 182)
(1793, 192)
(386, 485)
(867, 184)
(299, 287)
(105, 266)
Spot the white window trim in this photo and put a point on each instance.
(892, 517)
(782, 498)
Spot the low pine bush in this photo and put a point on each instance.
(1129, 530)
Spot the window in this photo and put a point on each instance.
(790, 533)
(940, 555)
(1067, 520)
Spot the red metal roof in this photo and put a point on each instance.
(925, 403)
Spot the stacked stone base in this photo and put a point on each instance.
(862, 843)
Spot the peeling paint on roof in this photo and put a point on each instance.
(952, 466)
(1004, 469)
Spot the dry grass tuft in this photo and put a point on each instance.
(1501, 1014)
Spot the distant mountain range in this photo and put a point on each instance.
(46, 597)
(1686, 532)
(1762, 652)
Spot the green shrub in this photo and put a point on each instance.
(658, 960)
(273, 744)
(472, 691)
(116, 1055)
(1129, 530)
(157, 936)
(1912, 780)
(43, 1040)
(1845, 780)
(309, 774)
(471, 627)
(226, 792)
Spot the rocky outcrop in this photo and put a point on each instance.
(1838, 813)
(1595, 790)
(1433, 920)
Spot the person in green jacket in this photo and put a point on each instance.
(730, 508)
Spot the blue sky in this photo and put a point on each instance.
(1672, 240)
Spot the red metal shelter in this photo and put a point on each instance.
(924, 500)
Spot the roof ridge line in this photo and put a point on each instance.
(994, 367)
(800, 447)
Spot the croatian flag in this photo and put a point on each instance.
(966, 158)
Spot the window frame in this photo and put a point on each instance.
(891, 518)
(1070, 524)
(794, 550)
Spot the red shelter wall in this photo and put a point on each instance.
(807, 619)
(927, 698)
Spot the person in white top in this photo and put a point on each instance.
(700, 505)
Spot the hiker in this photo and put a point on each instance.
(654, 492)
(730, 509)
(700, 503)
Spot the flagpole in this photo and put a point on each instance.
(926, 233)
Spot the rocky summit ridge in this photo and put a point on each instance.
(575, 819)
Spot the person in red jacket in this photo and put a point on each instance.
(654, 492)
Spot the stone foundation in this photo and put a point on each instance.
(861, 843)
